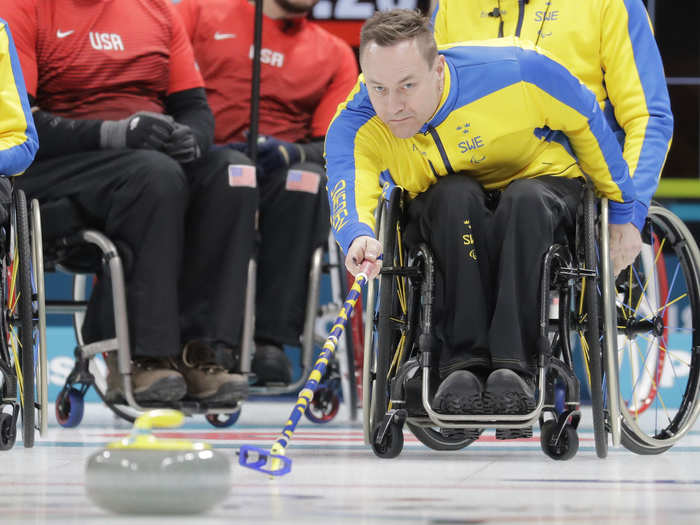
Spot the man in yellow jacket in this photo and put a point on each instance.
(470, 132)
(609, 45)
(18, 138)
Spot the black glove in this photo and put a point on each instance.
(274, 154)
(182, 144)
(142, 130)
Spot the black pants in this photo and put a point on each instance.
(489, 250)
(185, 234)
(294, 221)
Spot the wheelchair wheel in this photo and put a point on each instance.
(437, 440)
(39, 318)
(658, 317)
(223, 420)
(389, 320)
(565, 447)
(8, 431)
(589, 324)
(18, 320)
(391, 445)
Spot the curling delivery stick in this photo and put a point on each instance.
(274, 461)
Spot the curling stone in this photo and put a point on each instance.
(142, 474)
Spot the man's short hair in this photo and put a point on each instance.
(387, 28)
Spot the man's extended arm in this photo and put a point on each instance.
(636, 86)
(18, 137)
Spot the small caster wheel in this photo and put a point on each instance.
(391, 445)
(565, 447)
(69, 408)
(324, 406)
(8, 431)
(223, 420)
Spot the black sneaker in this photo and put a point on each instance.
(509, 393)
(271, 365)
(460, 393)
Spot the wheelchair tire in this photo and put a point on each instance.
(565, 447)
(22, 318)
(324, 406)
(70, 407)
(8, 431)
(385, 335)
(391, 445)
(223, 420)
(667, 353)
(435, 440)
(593, 328)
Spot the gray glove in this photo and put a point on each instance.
(142, 130)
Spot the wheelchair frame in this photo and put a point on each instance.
(384, 418)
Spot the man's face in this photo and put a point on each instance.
(403, 88)
(297, 6)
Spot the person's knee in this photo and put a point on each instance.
(218, 158)
(156, 176)
(457, 188)
(524, 194)
(455, 196)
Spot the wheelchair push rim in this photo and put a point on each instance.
(658, 314)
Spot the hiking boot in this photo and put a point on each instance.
(460, 393)
(152, 380)
(206, 379)
(509, 393)
(271, 365)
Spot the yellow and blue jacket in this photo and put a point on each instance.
(504, 102)
(609, 45)
(18, 138)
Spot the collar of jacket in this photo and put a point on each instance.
(447, 100)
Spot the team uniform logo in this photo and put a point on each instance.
(106, 41)
(64, 34)
(300, 180)
(241, 175)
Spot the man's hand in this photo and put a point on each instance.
(142, 130)
(364, 249)
(625, 245)
(182, 144)
(274, 154)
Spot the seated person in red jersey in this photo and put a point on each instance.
(125, 132)
(305, 73)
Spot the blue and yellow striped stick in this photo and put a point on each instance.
(275, 462)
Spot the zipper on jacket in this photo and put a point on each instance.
(441, 149)
(521, 16)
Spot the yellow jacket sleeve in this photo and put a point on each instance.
(18, 138)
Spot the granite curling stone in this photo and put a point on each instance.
(142, 474)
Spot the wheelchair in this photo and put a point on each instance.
(85, 254)
(637, 335)
(23, 369)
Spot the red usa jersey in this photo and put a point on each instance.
(305, 71)
(103, 59)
